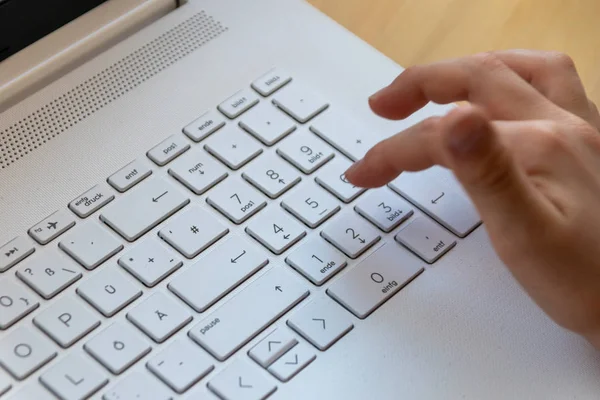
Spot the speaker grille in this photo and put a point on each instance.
(108, 85)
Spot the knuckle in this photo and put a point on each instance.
(430, 124)
(486, 61)
(552, 141)
(492, 173)
(561, 61)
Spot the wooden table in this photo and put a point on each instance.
(418, 31)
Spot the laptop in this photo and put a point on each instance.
(175, 224)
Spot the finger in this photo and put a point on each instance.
(482, 79)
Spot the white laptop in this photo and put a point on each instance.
(175, 224)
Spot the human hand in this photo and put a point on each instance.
(526, 148)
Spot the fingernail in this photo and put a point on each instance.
(377, 94)
(465, 139)
(354, 168)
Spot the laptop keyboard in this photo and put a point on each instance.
(281, 137)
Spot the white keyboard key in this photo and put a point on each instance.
(332, 178)
(305, 151)
(168, 150)
(159, 316)
(241, 318)
(437, 192)
(317, 260)
(311, 205)
(23, 351)
(52, 227)
(117, 347)
(198, 171)
(202, 393)
(299, 103)
(271, 175)
(33, 391)
(15, 303)
(292, 362)
(90, 245)
(426, 239)
(375, 280)
(49, 275)
(138, 386)
(266, 123)
(237, 104)
(150, 261)
(181, 364)
(233, 147)
(66, 321)
(272, 347)
(14, 252)
(275, 230)
(218, 273)
(384, 208)
(351, 234)
(193, 231)
(205, 125)
(129, 176)
(92, 200)
(271, 81)
(236, 200)
(241, 380)
(344, 133)
(321, 322)
(109, 291)
(150, 204)
(74, 378)
(5, 383)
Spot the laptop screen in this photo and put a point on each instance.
(23, 22)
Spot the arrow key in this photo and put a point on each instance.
(292, 362)
(272, 347)
(241, 381)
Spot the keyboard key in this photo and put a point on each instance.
(159, 316)
(272, 347)
(207, 124)
(5, 383)
(375, 280)
(74, 378)
(384, 209)
(33, 391)
(117, 347)
(217, 273)
(92, 200)
(311, 205)
(426, 239)
(332, 178)
(345, 134)
(109, 291)
(267, 124)
(317, 260)
(90, 245)
(15, 303)
(181, 364)
(241, 318)
(305, 151)
(236, 200)
(233, 147)
(351, 234)
(241, 380)
(52, 227)
(275, 230)
(193, 231)
(437, 192)
(237, 104)
(168, 150)
(202, 394)
(150, 204)
(198, 171)
(138, 386)
(23, 351)
(271, 81)
(66, 321)
(299, 103)
(271, 175)
(49, 275)
(129, 176)
(14, 252)
(292, 362)
(150, 262)
(321, 322)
